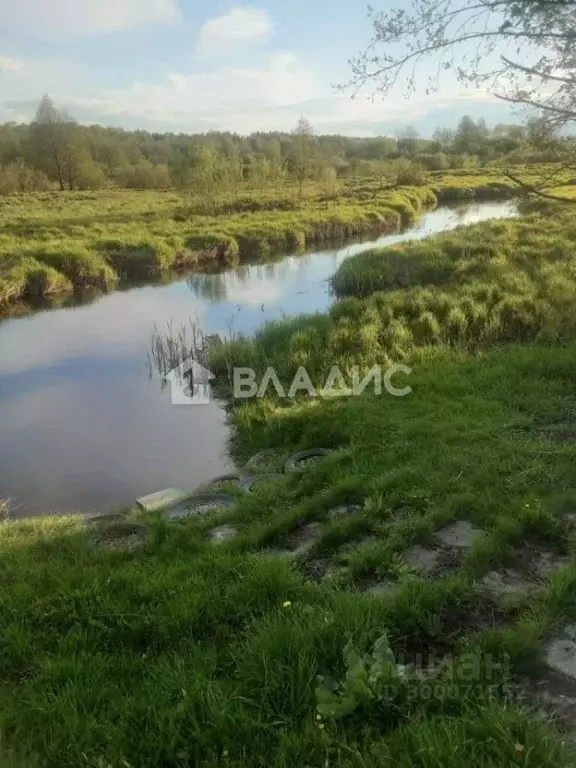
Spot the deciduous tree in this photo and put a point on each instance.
(522, 50)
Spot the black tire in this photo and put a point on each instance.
(102, 517)
(117, 530)
(264, 457)
(185, 509)
(293, 461)
(233, 477)
(249, 482)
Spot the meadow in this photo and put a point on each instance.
(60, 242)
(343, 652)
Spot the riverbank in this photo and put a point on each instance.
(81, 360)
(437, 645)
(47, 247)
(64, 242)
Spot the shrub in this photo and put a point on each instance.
(19, 177)
(144, 175)
(456, 325)
(413, 175)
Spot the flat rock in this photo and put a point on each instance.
(155, 501)
(422, 560)
(316, 569)
(549, 562)
(561, 653)
(570, 518)
(222, 534)
(344, 510)
(305, 537)
(505, 582)
(460, 535)
(554, 696)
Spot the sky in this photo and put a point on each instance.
(194, 66)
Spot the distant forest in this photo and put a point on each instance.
(55, 152)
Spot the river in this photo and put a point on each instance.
(83, 426)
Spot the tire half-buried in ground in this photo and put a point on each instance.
(198, 505)
(233, 478)
(102, 517)
(264, 458)
(119, 536)
(249, 483)
(298, 462)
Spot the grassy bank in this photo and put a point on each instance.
(188, 653)
(52, 243)
(509, 280)
(62, 242)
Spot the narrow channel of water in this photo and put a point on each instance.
(82, 425)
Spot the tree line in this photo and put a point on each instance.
(54, 151)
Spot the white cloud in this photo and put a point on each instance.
(227, 98)
(179, 82)
(269, 95)
(240, 24)
(8, 64)
(64, 18)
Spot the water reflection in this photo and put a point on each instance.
(81, 424)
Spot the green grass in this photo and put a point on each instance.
(506, 280)
(185, 653)
(510, 280)
(93, 239)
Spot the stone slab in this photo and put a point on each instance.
(156, 501)
(460, 535)
(561, 653)
(549, 562)
(422, 560)
(344, 510)
(506, 582)
(305, 537)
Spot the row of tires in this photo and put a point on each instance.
(200, 503)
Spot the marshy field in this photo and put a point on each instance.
(406, 599)
(53, 243)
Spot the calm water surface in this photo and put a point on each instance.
(82, 424)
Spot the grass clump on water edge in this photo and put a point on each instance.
(489, 283)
